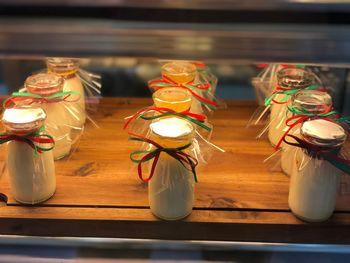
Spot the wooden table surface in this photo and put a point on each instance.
(237, 198)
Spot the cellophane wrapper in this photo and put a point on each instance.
(31, 175)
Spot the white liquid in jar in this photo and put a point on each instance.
(313, 188)
(59, 127)
(171, 189)
(289, 153)
(277, 126)
(77, 109)
(32, 178)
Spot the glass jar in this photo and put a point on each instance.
(313, 101)
(177, 99)
(58, 120)
(182, 72)
(289, 78)
(314, 182)
(68, 69)
(32, 175)
(171, 189)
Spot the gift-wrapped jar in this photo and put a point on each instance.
(68, 69)
(171, 189)
(30, 160)
(304, 105)
(318, 167)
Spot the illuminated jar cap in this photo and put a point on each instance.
(323, 133)
(179, 72)
(23, 119)
(312, 100)
(44, 84)
(295, 78)
(62, 65)
(172, 98)
(172, 128)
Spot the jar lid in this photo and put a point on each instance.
(173, 128)
(44, 84)
(295, 78)
(312, 100)
(179, 69)
(173, 95)
(23, 119)
(324, 133)
(62, 65)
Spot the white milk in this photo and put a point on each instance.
(32, 177)
(59, 127)
(277, 126)
(171, 189)
(314, 182)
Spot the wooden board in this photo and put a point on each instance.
(98, 187)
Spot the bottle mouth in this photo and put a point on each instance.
(172, 96)
(23, 119)
(295, 78)
(172, 128)
(62, 65)
(323, 133)
(44, 84)
(313, 101)
(178, 70)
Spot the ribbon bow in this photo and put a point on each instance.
(57, 97)
(301, 115)
(330, 155)
(32, 139)
(192, 117)
(188, 161)
(288, 92)
(192, 87)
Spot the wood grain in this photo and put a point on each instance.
(98, 184)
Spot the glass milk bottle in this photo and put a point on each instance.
(58, 119)
(289, 78)
(312, 101)
(176, 99)
(32, 175)
(182, 73)
(171, 189)
(315, 181)
(68, 69)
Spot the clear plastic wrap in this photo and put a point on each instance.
(46, 91)
(289, 81)
(172, 167)
(29, 161)
(175, 102)
(86, 84)
(189, 76)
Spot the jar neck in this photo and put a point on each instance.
(179, 72)
(170, 142)
(65, 74)
(294, 78)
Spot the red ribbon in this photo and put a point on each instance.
(291, 123)
(182, 157)
(27, 139)
(13, 100)
(203, 87)
(198, 117)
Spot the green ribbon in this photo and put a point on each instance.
(287, 92)
(31, 139)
